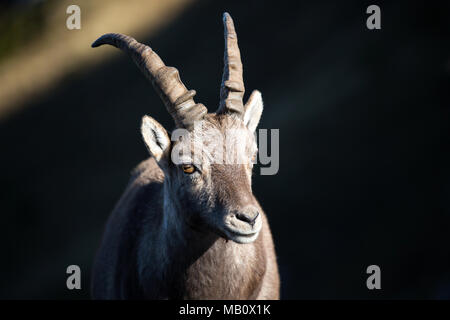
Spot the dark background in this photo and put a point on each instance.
(364, 147)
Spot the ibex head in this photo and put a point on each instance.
(213, 192)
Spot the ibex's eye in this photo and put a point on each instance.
(188, 168)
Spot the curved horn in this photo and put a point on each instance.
(166, 80)
(232, 88)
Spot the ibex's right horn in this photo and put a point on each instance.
(166, 80)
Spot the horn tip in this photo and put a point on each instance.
(98, 42)
(95, 44)
(227, 17)
(108, 38)
(228, 25)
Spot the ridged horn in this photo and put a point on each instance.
(166, 80)
(232, 88)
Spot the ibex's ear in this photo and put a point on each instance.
(155, 137)
(253, 110)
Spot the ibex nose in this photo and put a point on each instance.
(249, 216)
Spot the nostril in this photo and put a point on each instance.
(249, 218)
(244, 217)
(254, 219)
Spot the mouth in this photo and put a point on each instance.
(240, 237)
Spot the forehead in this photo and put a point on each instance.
(216, 126)
(219, 139)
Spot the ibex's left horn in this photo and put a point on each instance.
(232, 88)
(166, 80)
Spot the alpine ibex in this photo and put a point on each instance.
(168, 237)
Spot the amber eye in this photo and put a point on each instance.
(188, 168)
(254, 158)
